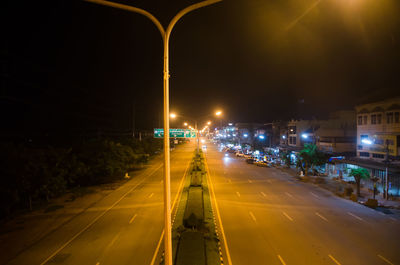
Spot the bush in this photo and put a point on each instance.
(372, 203)
(348, 191)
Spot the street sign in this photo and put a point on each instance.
(175, 133)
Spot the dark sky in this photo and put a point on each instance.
(78, 65)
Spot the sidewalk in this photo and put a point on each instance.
(337, 187)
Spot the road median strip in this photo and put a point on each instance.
(194, 235)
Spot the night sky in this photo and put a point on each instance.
(73, 64)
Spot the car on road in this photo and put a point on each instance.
(239, 154)
(261, 164)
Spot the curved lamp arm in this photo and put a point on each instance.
(131, 9)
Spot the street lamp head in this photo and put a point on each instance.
(185, 124)
(218, 113)
(209, 123)
(172, 115)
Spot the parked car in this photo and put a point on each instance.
(239, 154)
(249, 160)
(261, 164)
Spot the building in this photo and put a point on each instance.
(378, 130)
(336, 135)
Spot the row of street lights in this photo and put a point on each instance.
(174, 115)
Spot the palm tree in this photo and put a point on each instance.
(358, 174)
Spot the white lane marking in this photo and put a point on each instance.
(385, 259)
(151, 195)
(113, 240)
(334, 260)
(133, 218)
(281, 260)
(288, 217)
(250, 181)
(228, 255)
(238, 194)
(319, 215)
(380, 213)
(263, 194)
(253, 217)
(313, 194)
(100, 215)
(288, 194)
(355, 216)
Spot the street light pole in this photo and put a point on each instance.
(165, 34)
(197, 135)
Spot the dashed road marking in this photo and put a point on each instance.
(355, 216)
(151, 195)
(385, 259)
(333, 259)
(263, 194)
(287, 216)
(313, 194)
(100, 215)
(238, 194)
(380, 213)
(281, 260)
(253, 217)
(319, 215)
(133, 218)
(289, 195)
(250, 181)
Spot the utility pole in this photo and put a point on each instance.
(387, 170)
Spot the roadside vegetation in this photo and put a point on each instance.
(33, 174)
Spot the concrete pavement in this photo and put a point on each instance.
(269, 218)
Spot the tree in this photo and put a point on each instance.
(285, 156)
(358, 174)
(310, 156)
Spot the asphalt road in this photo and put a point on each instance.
(270, 218)
(123, 228)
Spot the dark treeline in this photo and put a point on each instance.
(34, 173)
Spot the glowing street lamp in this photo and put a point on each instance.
(209, 123)
(218, 113)
(172, 115)
(185, 124)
